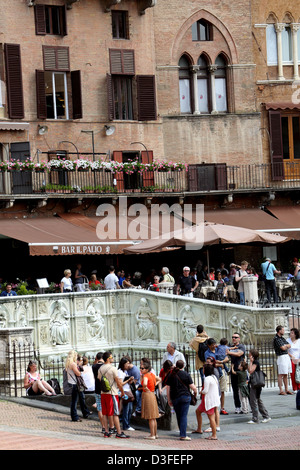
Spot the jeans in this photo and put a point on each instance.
(270, 285)
(75, 395)
(181, 407)
(126, 414)
(138, 395)
(242, 298)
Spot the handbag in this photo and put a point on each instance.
(297, 373)
(193, 396)
(258, 379)
(130, 396)
(81, 386)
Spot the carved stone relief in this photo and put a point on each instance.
(59, 323)
(95, 321)
(146, 321)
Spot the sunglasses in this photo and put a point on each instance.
(142, 368)
(235, 337)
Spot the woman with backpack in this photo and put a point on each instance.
(73, 371)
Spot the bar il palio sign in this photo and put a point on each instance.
(45, 249)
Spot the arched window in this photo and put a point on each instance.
(185, 85)
(202, 31)
(203, 85)
(220, 84)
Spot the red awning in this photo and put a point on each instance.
(282, 105)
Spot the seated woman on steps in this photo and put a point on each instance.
(34, 384)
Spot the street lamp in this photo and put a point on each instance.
(93, 142)
(141, 143)
(69, 142)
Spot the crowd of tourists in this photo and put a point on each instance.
(126, 390)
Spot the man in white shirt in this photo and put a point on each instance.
(111, 281)
(173, 355)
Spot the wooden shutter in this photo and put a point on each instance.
(64, 21)
(110, 98)
(193, 177)
(148, 176)
(146, 98)
(221, 176)
(40, 19)
(118, 157)
(40, 94)
(14, 82)
(122, 61)
(56, 59)
(276, 146)
(76, 94)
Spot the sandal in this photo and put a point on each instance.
(197, 432)
(210, 438)
(282, 393)
(289, 393)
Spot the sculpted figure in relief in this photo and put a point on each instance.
(146, 321)
(95, 321)
(59, 324)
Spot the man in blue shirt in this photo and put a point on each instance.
(8, 292)
(268, 269)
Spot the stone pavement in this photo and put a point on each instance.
(30, 425)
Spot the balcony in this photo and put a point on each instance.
(44, 180)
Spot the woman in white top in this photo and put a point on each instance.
(209, 403)
(88, 376)
(66, 284)
(294, 353)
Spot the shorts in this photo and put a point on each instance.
(284, 364)
(202, 409)
(223, 382)
(110, 404)
(98, 401)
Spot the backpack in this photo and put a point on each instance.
(236, 283)
(201, 350)
(55, 385)
(104, 384)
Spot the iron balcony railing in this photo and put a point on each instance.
(210, 178)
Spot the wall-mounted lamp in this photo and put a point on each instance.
(30, 3)
(55, 249)
(230, 198)
(42, 129)
(271, 196)
(109, 130)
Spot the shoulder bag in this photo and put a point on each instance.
(258, 379)
(193, 396)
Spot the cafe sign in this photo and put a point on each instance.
(64, 249)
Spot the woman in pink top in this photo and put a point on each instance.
(34, 384)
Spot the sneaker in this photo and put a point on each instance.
(223, 412)
(129, 429)
(112, 430)
(103, 430)
(252, 422)
(237, 411)
(122, 436)
(266, 420)
(107, 434)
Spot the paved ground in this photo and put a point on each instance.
(29, 427)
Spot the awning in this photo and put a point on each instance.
(288, 215)
(76, 234)
(14, 126)
(255, 219)
(55, 236)
(282, 105)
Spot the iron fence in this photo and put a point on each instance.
(14, 364)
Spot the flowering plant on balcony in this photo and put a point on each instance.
(130, 167)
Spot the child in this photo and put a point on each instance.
(209, 403)
(221, 352)
(242, 377)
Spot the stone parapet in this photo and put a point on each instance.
(129, 319)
